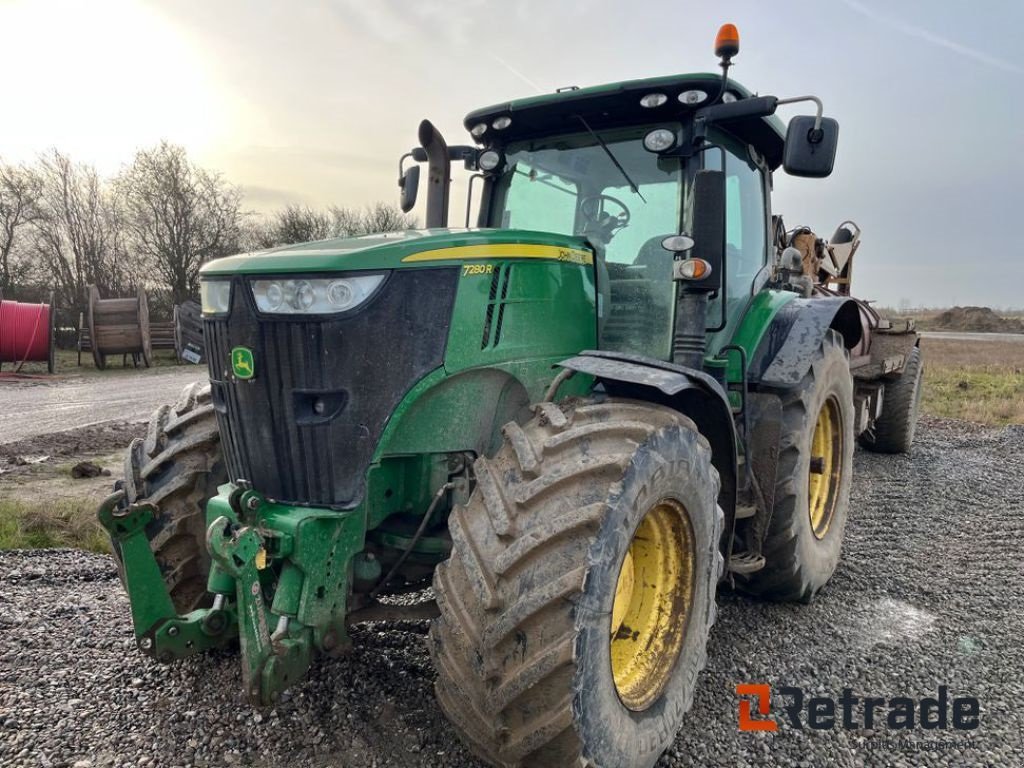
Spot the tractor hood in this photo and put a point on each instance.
(411, 248)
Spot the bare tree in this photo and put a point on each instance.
(177, 216)
(300, 224)
(75, 231)
(378, 217)
(385, 217)
(19, 198)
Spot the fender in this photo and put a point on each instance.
(693, 393)
(785, 352)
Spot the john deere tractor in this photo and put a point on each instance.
(573, 421)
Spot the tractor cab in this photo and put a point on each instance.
(618, 165)
(613, 164)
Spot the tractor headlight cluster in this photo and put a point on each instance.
(659, 140)
(314, 296)
(215, 296)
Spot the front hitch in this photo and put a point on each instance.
(272, 565)
(270, 663)
(159, 631)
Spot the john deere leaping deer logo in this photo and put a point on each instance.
(242, 363)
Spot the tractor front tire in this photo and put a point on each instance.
(812, 490)
(177, 468)
(576, 604)
(893, 430)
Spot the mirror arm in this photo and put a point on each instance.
(401, 166)
(817, 102)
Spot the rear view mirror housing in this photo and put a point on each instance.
(810, 151)
(708, 228)
(409, 183)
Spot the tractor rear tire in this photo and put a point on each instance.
(812, 490)
(893, 431)
(576, 604)
(177, 468)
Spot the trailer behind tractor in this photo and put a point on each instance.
(627, 383)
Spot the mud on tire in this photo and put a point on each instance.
(894, 429)
(177, 467)
(522, 645)
(800, 557)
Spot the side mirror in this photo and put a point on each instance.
(709, 227)
(810, 151)
(410, 184)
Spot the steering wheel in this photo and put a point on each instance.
(599, 222)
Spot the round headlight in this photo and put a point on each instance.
(274, 294)
(653, 100)
(693, 97)
(728, 97)
(339, 293)
(501, 123)
(489, 160)
(479, 129)
(303, 295)
(659, 140)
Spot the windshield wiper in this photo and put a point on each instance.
(616, 163)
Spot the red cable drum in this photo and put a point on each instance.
(25, 333)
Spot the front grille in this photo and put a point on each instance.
(358, 366)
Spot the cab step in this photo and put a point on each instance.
(745, 562)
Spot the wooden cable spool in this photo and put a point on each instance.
(119, 327)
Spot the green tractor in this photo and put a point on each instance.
(573, 421)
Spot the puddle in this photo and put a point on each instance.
(890, 622)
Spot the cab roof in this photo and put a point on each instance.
(615, 105)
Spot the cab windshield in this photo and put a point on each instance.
(568, 185)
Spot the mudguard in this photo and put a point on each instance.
(793, 338)
(691, 392)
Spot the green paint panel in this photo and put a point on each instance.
(754, 324)
(384, 251)
(520, 309)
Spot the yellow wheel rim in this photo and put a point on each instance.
(826, 467)
(653, 597)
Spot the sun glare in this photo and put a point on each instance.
(99, 80)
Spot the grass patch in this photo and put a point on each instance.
(981, 381)
(66, 363)
(64, 523)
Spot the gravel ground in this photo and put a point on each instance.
(927, 594)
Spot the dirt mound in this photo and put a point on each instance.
(977, 320)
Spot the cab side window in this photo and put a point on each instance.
(746, 228)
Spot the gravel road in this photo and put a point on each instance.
(40, 407)
(928, 594)
(1017, 338)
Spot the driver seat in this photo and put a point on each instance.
(657, 262)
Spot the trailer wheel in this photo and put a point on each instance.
(893, 431)
(812, 490)
(177, 467)
(576, 604)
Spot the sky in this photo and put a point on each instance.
(313, 103)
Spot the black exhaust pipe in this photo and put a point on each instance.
(439, 174)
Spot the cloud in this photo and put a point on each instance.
(517, 73)
(267, 198)
(930, 37)
(442, 21)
